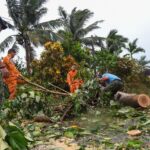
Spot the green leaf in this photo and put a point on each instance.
(134, 144)
(146, 123)
(125, 110)
(37, 98)
(17, 141)
(28, 137)
(69, 134)
(24, 95)
(3, 145)
(32, 94)
(15, 137)
(36, 133)
(2, 133)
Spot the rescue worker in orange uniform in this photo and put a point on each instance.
(15, 76)
(73, 83)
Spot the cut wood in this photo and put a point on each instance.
(134, 132)
(134, 100)
(143, 100)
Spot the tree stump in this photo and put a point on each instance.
(133, 100)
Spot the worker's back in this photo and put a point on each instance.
(10, 66)
(111, 77)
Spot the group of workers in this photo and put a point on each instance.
(109, 82)
(10, 76)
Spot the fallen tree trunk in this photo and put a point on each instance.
(133, 100)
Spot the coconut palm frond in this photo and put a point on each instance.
(62, 13)
(84, 31)
(115, 42)
(40, 37)
(95, 40)
(132, 48)
(52, 24)
(76, 21)
(15, 11)
(143, 62)
(139, 49)
(6, 24)
(15, 46)
(6, 43)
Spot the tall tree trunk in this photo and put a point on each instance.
(93, 53)
(131, 56)
(28, 48)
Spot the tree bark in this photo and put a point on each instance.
(28, 49)
(93, 53)
(133, 100)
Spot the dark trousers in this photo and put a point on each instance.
(114, 87)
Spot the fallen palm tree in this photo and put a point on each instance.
(133, 100)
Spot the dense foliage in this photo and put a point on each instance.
(54, 65)
(109, 122)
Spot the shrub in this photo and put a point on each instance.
(53, 65)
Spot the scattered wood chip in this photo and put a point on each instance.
(134, 132)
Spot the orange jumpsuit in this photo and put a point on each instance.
(13, 79)
(74, 84)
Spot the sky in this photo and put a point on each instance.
(130, 17)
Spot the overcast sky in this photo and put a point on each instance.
(130, 17)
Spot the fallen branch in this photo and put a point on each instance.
(65, 113)
(58, 87)
(43, 88)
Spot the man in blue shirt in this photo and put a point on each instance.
(111, 83)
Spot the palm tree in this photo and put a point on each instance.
(143, 62)
(4, 24)
(132, 48)
(115, 42)
(26, 15)
(74, 24)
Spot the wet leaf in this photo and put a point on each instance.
(36, 133)
(69, 134)
(24, 95)
(4, 145)
(28, 137)
(37, 98)
(125, 110)
(32, 94)
(134, 144)
(2, 133)
(146, 123)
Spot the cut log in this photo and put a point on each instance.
(133, 100)
(143, 100)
